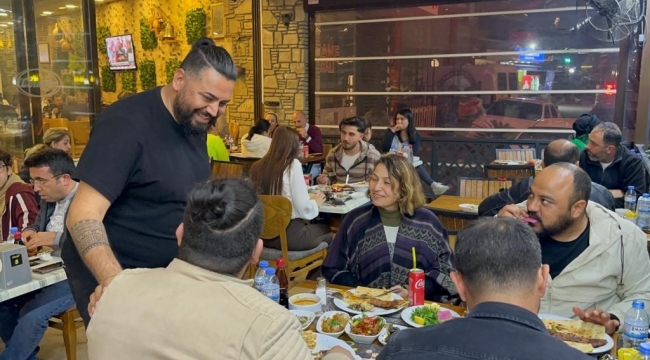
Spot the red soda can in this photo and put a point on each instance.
(305, 151)
(307, 178)
(416, 286)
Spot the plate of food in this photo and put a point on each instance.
(369, 301)
(305, 317)
(332, 323)
(341, 187)
(319, 344)
(427, 315)
(364, 329)
(469, 208)
(586, 337)
(389, 331)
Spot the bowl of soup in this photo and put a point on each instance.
(307, 302)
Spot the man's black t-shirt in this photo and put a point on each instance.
(141, 160)
(559, 254)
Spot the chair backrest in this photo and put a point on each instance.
(277, 215)
(233, 129)
(63, 123)
(516, 154)
(481, 188)
(80, 131)
(228, 170)
(327, 148)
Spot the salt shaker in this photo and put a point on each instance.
(321, 290)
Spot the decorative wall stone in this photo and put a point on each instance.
(285, 62)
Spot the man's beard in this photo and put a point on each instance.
(349, 146)
(559, 226)
(184, 114)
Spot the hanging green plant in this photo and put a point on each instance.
(147, 36)
(195, 25)
(102, 33)
(129, 81)
(170, 69)
(147, 74)
(108, 79)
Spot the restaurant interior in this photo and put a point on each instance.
(490, 83)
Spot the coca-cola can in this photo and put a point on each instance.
(416, 286)
(307, 178)
(305, 151)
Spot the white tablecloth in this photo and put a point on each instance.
(39, 281)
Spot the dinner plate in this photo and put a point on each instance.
(308, 314)
(376, 312)
(406, 315)
(325, 342)
(383, 335)
(469, 208)
(598, 350)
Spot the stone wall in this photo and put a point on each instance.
(285, 57)
(122, 16)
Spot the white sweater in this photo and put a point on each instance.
(257, 147)
(295, 189)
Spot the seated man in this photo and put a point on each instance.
(557, 151)
(612, 165)
(203, 308)
(22, 328)
(311, 136)
(598, 261)
(351, 161)
(499, 274)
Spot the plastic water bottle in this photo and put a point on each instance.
(260, 274)
(635, 327)
(644, 351)
(12, 234)
(630, 199)
(271, 287)
(643, 211)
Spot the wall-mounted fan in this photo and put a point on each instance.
(610, 20)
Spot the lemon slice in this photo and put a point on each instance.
(418, 320)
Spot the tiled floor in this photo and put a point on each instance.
(52, 347)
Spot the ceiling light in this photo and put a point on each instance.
(10, 23)
(47, 13)
(99, 0)
(4, 25)
(3, 14)
(71, 6)
(61, 7)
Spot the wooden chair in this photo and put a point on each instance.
(516, 154)
(79, 132)
(68, 322)
(277, 215)
(326, 149)
(228, 170)
(481, 188)
(516, 172)
(62, 123)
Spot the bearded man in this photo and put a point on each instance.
(598, 261)
(145, 154)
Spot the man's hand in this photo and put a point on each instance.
(35, 240)
(302, 132)
(599, 317)
(99, 291)
(617, 193)
(401, 291)
(27, 234)
(323, 179)
(512, 211)
(340, 350)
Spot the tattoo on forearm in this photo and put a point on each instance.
(88, 234)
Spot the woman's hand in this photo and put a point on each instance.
(401, 291)
(320, 198)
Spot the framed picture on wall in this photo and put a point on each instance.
(43, 53)
(218, 21)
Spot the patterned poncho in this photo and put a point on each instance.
(359, 254)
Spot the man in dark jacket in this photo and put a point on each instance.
(557, 151)
(610, 164)
(502, 284)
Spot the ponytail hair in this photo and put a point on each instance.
(260, 127)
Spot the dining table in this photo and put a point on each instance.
(449, 211)
(363, 351)
(39, 281)
(371, 351)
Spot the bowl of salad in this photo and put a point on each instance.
(332, 323)
(364, 329)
